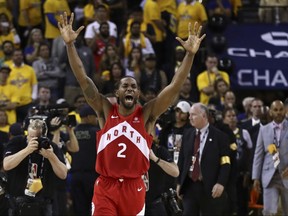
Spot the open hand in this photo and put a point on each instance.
(65, 27)
(194, 40)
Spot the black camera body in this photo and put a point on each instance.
(43, 142)
(171, 203)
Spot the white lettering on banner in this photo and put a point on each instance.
(248, 52)
(126, 130)
(270, 80)
(276, 38)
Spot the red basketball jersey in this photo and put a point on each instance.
(123, 145)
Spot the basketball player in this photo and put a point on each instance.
(124, 141)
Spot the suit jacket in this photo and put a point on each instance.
(263, 164)
(216, 147)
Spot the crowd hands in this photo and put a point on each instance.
(37, 78)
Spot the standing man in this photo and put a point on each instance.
(83, 162)
(123, 143)
(32, 167)
(204, 165)
(268, 168)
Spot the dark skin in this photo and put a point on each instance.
(128, 92)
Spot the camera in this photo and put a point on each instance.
(171, 203)
(3, 183)
(43, 142)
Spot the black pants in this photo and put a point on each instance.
(20, 206)
(156, 208)
(197, 202)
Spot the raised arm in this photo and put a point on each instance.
(96, 100)
(169, 93)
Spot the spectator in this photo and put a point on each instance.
(206, 79)
(72, 87)
(109, 57)
(221, 87)
(92, 29)
(117, 12)
(8, 32)
(23, 77)
(151, 76)
(116, 73)
(44, 99)
(25, 156)
(273, 11)
(9, 97)
(152, 16)
(8, 49)
(135, 38)
(269, 169)
(99, 42)
(246, 104)
(135, 63)
(219, 7)
(185, 92)
(190, 11)
(52, 10)
(31, 51)
(30, 17)
(47, 70)
(79, 102)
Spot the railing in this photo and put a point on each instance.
(263, 14)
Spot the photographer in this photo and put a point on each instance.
(32, 163)
(156, 196)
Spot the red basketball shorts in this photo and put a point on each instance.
(118, 197)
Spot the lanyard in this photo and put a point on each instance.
(33, 168)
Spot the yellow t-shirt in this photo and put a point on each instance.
(9, 93)
(33, 8)
(23, 78)
(56, 7)
(89, 12)
(5, 128)
(204, 80)
(152, 12)
(189, 14)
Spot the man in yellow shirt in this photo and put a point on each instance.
(9, 98)
(205, 80)
(190, 11)
(52, 10)
(152, 15)
(23, 78)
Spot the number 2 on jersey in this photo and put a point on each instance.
(120, 153)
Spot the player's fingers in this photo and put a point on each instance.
(79, 29)
(71, 19)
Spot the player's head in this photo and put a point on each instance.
(127, 92)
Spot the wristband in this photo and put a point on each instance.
(157, 161)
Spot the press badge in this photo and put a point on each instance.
(33, 186)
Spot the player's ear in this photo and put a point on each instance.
(117, 93)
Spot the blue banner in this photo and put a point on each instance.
(260, 55)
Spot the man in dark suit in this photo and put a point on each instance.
(253, 124)
(204, 170)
